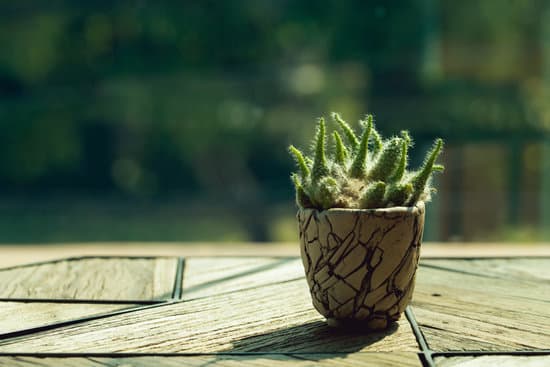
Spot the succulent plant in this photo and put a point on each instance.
(362, 171)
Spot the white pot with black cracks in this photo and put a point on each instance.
(361, 219)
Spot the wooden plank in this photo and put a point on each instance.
(491, 361)
(13, 255)
(15, 316)
(522, 269)
(261, 360)
(164, 278)
(92, 279)
(458, 311)
(544, 199)
(276, 318)
(209, 276)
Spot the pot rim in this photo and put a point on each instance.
(415, 209)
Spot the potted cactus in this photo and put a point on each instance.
(361, 219)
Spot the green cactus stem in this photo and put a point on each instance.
(340, 153)
(300, 161)
(397, 194)
(387, 161)
(326, 192)
(359, 165)
(402, 167)
(301, 197)
(320, 167)
(374, 196)
(376, 141)
(347, 130)
(420, 178)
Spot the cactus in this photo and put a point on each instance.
(363, 172)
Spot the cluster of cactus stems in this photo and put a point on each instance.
(362, 171)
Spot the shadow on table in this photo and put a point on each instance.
(313, 340)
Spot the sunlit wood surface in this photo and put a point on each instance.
(256, 311)
(22, 254)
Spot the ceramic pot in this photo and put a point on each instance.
(360, 264)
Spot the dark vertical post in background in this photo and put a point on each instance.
(432, 230)
(430, 71)
(431, 68)
(515, 155)
(545, 154)
(545, 190)
(456, 197)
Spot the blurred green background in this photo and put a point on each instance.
(169, 120)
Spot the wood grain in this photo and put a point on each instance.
(15, 316)
(13, 254)
(461, 311)
(209, 276)
(522, 269)
(266, 360)
(258, 312)
(491, 361)
(276, 318)
(92, 279)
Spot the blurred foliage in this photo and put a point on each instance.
(153, 98)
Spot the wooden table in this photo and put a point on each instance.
(256, 311)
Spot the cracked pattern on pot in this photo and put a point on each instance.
(361, 264)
